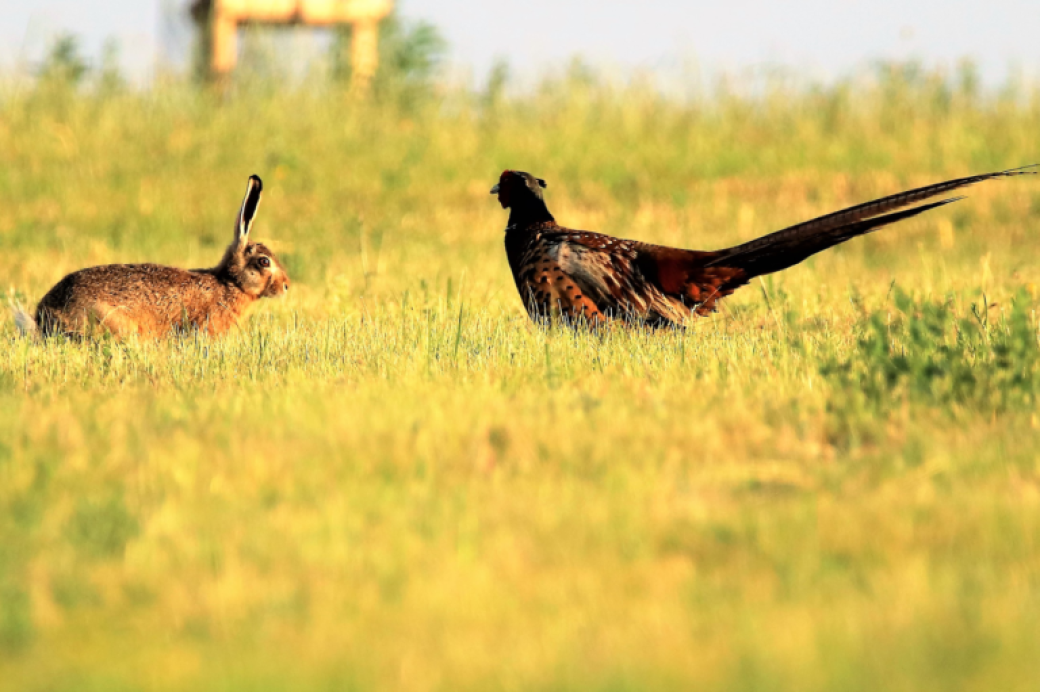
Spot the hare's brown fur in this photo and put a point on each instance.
(153, 300)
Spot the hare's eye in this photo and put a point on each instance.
(264, 262)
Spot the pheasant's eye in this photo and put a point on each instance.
(264, 262)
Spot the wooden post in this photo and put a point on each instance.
(218, 20)
(364, 55)
(224, 42)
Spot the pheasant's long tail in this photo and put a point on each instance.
(788, 247)
(786, 251)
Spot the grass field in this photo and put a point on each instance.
(391, 480)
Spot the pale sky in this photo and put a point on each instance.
(819, 38)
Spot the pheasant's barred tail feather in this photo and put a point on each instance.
(796, 243)
(788, 250)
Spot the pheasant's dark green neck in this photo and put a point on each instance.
(527, 211)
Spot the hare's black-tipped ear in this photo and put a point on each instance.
(248, 211)
(541, 183)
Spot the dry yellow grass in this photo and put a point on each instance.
(391, 480)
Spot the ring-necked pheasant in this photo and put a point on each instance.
(591, 277)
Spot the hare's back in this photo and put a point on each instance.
(127, 285)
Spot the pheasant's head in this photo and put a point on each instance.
(515, 188)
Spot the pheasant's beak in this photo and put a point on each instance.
(494, 190)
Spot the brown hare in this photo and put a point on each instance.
(152, 300)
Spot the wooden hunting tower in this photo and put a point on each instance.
(218, 20)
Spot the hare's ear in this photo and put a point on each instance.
(248, 211)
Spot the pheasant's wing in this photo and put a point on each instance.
(652, 282)
(591, 276)
(559, 277)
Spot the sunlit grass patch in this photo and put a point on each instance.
(392, 479)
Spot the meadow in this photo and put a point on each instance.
(391, 479)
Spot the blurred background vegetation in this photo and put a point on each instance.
(391, 480)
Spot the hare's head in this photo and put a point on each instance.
(252, 266)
